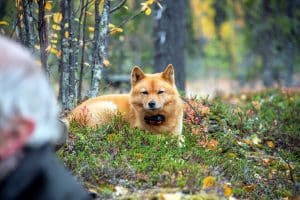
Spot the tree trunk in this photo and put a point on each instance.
(28, 24)
(63, 65)
(100, 46)
(83, 10)
(169, 28)
(265, 47)
(43, 37)
(71, 51)
(20, 32)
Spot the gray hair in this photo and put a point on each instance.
(25, 92)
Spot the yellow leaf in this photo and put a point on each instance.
(212, 144)
(87, 64)
(231, 155)
(150, 2)
(37, 46)
(116, 30)
(120, 30)
(226, 30)
(48, 6)
(106, 62)
(256, 105)
(101, 6)
(205, 110)
(88, 13)
(91, 29)
(255, 139)
(139, 156)
(148, 11)
(227, 190)
(249, 188)
(58, 54)
(57, 17)
(48, 48)
(111, 26)
(67, 34)
(270, 144)
(4, 23)
(53, 41)
(208, 182)
(56, 27)
(53, 50)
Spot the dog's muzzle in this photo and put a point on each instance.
(154, 119)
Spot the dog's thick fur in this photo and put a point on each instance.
(153, 104)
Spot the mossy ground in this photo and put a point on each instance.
(248, 144)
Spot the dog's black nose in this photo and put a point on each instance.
(152, 104)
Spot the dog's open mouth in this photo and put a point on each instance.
(154, 119)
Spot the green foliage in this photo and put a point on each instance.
(251, 144)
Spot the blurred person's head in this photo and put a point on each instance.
(28, 109)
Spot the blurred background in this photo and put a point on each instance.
(88, 47)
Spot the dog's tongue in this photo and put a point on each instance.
(154, 119)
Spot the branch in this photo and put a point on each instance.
(122, 3)
(128, 19)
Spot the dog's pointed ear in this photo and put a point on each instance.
(168, 74)
(137, 74)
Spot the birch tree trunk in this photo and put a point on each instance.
(63, 65)
(169, 28)
(100, 46)
(72, 97)
(43, 36)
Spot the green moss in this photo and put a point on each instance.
(255, 146)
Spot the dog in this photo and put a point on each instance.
(153, 104)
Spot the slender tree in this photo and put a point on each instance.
(43, 36)
(169, 28)
(99, 46)
(63, 64)
(27, 7)
(72, 67)
(83, 15)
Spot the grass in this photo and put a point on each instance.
(243, 145)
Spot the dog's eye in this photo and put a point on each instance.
(160, 92)
(144, 92)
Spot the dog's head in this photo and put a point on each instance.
(150, 93)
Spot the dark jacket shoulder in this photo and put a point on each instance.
(40, 175)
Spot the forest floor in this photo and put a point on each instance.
(243, 146)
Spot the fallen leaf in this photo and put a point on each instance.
(270, 144)
(208, 182)
(212, 144)
(227, 190)
(249, 188)
(256, 105)
(166, 196)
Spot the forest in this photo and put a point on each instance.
(237, 67)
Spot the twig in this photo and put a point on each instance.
(122, 3)
(121, 25)
(192, 107)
